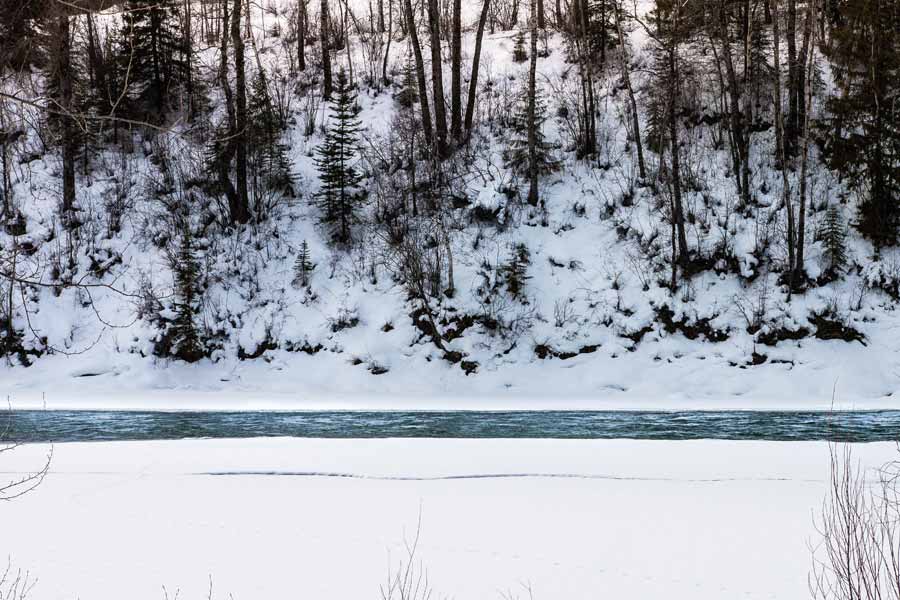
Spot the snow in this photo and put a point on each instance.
(326, 519)
(606, 291)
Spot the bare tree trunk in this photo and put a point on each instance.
(345, 27)
(532, 100)
(92, 54)
(737, 118)
(64, 74)
(802, 79)
(626, 76)
(420, 71)
(240, 135)
(224, 160)
(301, 35)
(779, 137)
(589, 143)
(726, 99)
(10, 329)
(6, 184)
(451, 286)
(790, 129)
(189, 57)
(456, 73)
(748, 106)
(541, 24)
(437, 77)
(390, 38)
(476, 59)
(678, 210)
(809, 65)
(326, 55)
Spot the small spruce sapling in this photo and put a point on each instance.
(515, 271)
(519, 54)
(269, 156)
(517, 155)
(303, 266)
(186, 342)
(408, 94)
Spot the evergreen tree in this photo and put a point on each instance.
(186, 343)
(601, 28)
(18, 35)
(112, 99)
(268, 155)
(303, 266)
(834, 239)
(519, 53)
(515, 271)
(655, 108)
(517, 152)
(339, 194)
(408, 96)
(760, 74)
(153, 53)
(866, 57)
(264, 120)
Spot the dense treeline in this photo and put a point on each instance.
(811, 84)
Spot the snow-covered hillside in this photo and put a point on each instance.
(596, 322)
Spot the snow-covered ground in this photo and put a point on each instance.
(827, 375)
(326, 519)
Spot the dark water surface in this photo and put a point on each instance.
(71, 426)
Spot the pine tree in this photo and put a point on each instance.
(519, 53)
(834, 240)
(152, 52)
(517, 152)
(339, 195)
(303, 266)
(186, 343)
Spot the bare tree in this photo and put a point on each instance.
(62, 98)
(409, 579)
(242, 215)
(858, 556)
(532, 120)
(301, 34)
(325, 42)
(626, 77)
(672, 54)
(456, 72)
(476, 59)
(19, 485)
(437, 77)
(583, 42)
(799, 272)
(420, 69)
(15, 584)
(781, 150)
